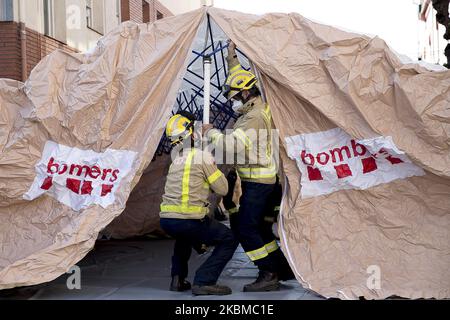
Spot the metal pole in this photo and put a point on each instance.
(206, 88)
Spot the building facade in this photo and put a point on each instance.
(432, 42)
(182, 6)
(31, 29)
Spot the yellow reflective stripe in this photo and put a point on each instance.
(185, 181)
(233, 210)
(216, 175)
(257, 172)
(277, 208)
(240, 134)
(184, 209)
(214, 136)
(206, 185)
(268, 119)
(266, 116)
(235, 68)
(256, 176)
(257, 254)
(272, 246)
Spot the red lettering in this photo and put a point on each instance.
(394, 160)
(79, 169)
(63, 169)
(105, 173)
(340, 151)
(311, 158)
(114, 175)
(51, 165)
(95, 172)
(47, 184)
(323, 162)
(355, 147)
(343, 171)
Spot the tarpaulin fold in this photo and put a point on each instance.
(318, 78)
(117, 98)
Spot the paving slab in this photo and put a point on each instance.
(140, 269)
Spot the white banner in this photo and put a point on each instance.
(79, 178)
(331, 160)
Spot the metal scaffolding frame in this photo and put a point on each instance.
(221, 111)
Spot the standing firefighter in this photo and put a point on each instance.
(251, 142)
(271, 213)
(184, 211)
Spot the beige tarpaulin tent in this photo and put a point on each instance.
(364, 149)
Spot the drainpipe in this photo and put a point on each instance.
(23, 46)
(23, 43)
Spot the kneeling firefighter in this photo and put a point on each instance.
(184, 211)
(258, 177)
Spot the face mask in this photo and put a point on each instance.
(236, 106)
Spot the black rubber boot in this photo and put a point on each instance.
(215, 289)
(266, 281)
(178, 284)
(285, 272)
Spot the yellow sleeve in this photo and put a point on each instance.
(232, 59)
(214, 177)
(236, 142)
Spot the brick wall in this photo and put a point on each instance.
(155, 7)
(131, 10)
(10, 51)
(37, 47)
(142, 10)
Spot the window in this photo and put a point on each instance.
(89, 14)
(6, 10)
(55, 24)
(118, 5)
(94, 15)
(159, 15)
(49, 25)
(145, 11)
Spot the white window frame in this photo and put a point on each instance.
(89, 14)
(118, 12)
(96, 18)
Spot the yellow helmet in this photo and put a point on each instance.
(238, 80)
(179, 127)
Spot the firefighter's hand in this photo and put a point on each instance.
(231, 45)
(231, 178)
(206, 128)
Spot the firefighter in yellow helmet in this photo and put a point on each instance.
(184, 210)
(251, 143)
